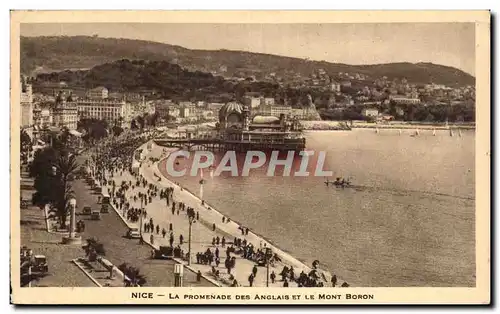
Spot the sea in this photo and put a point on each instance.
(408, 220)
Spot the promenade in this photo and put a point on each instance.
(203, 232)
(34, 235)
(110, 231)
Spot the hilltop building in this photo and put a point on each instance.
(98, 93)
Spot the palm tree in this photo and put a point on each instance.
(93, 249)
(135, 278)
(64, 171)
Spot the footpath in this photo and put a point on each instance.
(202, 230)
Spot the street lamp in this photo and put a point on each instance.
(140, 225)
(72, 237)
(72, 204)
(268, 255)
(191, 218)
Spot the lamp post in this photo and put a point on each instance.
(72, 222)
(140, 225)
(72, 237)
(191, 218)
(268, 254)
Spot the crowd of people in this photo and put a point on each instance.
(114, 158)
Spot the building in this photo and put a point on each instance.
(26, 104)
(250, 101)
(98, 93)
(402, 100)
(109, 110)
(239, 132)
(370, 112)
(65, 114)
(162, 108)
(277, 111)
(335, 87)
(214, 106)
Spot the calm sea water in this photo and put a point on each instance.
(410, 221)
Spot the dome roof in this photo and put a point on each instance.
(265, 119)
(230, 107)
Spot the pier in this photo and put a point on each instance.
(238, 145)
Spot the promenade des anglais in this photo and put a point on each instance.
(151, 161)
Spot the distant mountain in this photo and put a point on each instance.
(48, 54)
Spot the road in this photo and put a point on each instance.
(110, 231)
(34, 235)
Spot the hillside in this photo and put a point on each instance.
(48, 54)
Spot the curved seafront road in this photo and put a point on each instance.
(110, 231)
(202, 233)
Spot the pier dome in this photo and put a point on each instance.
(231, 114)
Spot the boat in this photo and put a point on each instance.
(433, 132)
(339, 183)
(417, 133)
(376, 130)
(451, 132)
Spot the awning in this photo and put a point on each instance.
(75, 133)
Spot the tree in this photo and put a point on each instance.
(117, 130)
(133, 125)
(53, 172)
(93, 248)
(133, 274)
(26, 145)
(141, 121)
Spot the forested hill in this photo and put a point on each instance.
(48, 54)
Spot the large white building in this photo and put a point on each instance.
(109, 110)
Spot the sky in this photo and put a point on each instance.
(451, 44)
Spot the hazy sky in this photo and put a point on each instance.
(451, 44)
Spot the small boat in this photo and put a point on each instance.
(376, 130)
(417, 133)
(433, 132)
(339, 183)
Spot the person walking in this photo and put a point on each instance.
(334, 280)
(213, 227)
(254, 270)
(157, 229)
(164, 232)
(285, 283)
(273, 277)
(181, 239)
(251, 279)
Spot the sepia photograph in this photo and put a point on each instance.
(340, 154)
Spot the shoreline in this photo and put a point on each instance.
(287, 257)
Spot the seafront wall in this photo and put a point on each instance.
(209, 214)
